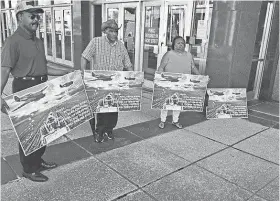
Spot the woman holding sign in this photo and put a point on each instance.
(177, 60)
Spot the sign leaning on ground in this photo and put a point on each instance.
(227, 103)
(47, 111)
(176, 91)
(114, 91)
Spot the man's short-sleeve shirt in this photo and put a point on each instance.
(107, 56)
(24, 54)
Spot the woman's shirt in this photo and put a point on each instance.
(179, 62)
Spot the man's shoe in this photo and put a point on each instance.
(99, 138)
(35, 176)
(110, 135)
(47, 166)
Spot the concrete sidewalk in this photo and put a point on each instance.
(227, 159)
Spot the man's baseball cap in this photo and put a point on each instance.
(23, 6)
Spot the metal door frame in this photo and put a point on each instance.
(263, 49)
(120, 7)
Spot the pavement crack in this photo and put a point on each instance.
(18, 177)
(78, 145)
(249, 137)
(255, 156)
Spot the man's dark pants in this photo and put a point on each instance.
(106, 122)
(30, 163)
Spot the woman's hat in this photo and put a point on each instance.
(110, 24)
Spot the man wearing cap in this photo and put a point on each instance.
(23, 56)
(108, 53)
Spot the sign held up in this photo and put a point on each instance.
(114, 91)
(45, 112)
(177, 91)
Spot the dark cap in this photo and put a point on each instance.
(110, 24)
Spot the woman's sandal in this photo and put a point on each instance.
(177, 124)
(161, 125)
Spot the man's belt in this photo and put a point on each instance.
(41, 78)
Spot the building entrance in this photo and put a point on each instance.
(164, 20)
(127, 15)
(260, 50)
(148, 28)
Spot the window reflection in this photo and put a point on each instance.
(42, 28)
(113, 14)
(175, 23)
(61, 1)
(129, 32)
(52, 30)
(58, 31)
(151, 36)
(44, 2)
(67, 34)
(49, 32)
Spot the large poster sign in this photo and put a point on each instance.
(47, 111)
(114, 91)
(151, 35)
(227, 103)
(176, 91)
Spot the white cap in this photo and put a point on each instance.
(22, 6)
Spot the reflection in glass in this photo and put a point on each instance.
(62, 1)
(152, 22)
(113, 14)
(4, 18)
(129, 32)
(2, 4)
(200, 32)
(44, 2)
(49, 32)
(13, 3)
(175, 23)
(2, 38)
(41, 29)
(13, 21)
(257, 47)
(58, 33)
(67, 34)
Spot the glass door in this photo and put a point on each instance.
(129, 30)
(260, 49)
(200, 31)
(47, 19)
(191, 20)
(4, 25)
(41, 31)
(113, 12)
(153, 22)
(125, 15)
(63, 35)
(162, 21)
(58, 29)
(178, 21)
(67, 31)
